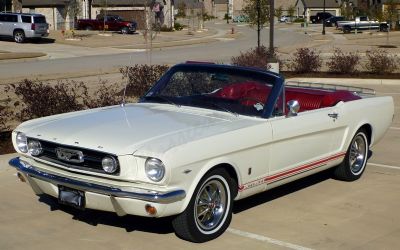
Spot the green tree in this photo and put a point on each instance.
(390, 12)
(258, 13)
(291, 11)
(279, 12)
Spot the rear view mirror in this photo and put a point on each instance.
(293, 107)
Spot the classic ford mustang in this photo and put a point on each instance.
(203, 136)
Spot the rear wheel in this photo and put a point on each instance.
(346, 29)
(355, 160)
(88, 28)
(209, 212)
(19, 36)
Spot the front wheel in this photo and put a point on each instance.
(125, 30)
(209, 212)
(355, 160)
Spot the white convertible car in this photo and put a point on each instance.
(203, 136)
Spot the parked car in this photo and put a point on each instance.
(320, 16)
(240, 19)
(285, 19)
(203, 136)
(362, 23)
(22, 26)
(332, 21)
(107, 22)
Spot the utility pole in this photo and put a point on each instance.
(227, 11)
(271, 25)
(323, 21)
(258, 23)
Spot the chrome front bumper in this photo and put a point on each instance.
(138, 194)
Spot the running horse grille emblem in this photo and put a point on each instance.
(69, 155)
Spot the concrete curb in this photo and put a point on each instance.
(21, 55)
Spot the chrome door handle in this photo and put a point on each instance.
(333, 115)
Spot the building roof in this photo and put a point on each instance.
(130, 3)
(320, 4)
(37, 3)
(285, 4)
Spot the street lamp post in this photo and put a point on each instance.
(227, 11)
(323, 21)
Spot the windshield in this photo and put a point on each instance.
(228, 90)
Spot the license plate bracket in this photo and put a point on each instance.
(71, 197)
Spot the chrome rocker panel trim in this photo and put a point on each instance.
(146, 195)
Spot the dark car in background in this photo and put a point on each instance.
(107, 22)
(320, 16)
(332, 21)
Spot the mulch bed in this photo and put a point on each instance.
(6, 146)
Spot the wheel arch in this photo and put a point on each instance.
(368, 129)
(230, 168)
(18, 29)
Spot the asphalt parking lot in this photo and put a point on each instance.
(313, 213)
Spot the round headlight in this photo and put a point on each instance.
(109, 164)
(22, 142)
(34, 147)
(155, 169)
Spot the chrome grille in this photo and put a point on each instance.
(91, 158)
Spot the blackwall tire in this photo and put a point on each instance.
(356, 158)
(19, 36)
(209, 212)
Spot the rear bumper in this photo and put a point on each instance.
(35, 34)
(129, 198)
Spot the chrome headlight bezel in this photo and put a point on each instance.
(21, 142)
(109, 164)
(155, 169)
(34, 147)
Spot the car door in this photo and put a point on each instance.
(2, 32)
(304, 142)
(9, 22)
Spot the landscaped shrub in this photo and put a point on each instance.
(343, 63)
(5, 115)
(178, 26)
(105, 95)
(38, 99)
(305, 60)
(381, 62)
(141, 77)
(255, 57)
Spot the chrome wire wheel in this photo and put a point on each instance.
(358, 154)
(211, 205)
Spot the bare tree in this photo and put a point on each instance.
(258, 13)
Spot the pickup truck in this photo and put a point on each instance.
(362, 23)
(107, 22)
(320, 17)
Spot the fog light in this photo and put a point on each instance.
(150, 209)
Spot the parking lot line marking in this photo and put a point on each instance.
(395, 128)
(266, 239)
(384, 166)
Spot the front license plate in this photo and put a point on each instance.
(71, 197)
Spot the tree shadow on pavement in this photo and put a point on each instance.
(278, 192)
(128, 222)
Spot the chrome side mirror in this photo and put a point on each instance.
(293, 107)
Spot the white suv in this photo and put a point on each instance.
(23, 25)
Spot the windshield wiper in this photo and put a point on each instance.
(161, 98)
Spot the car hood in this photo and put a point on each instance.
(123, 130)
